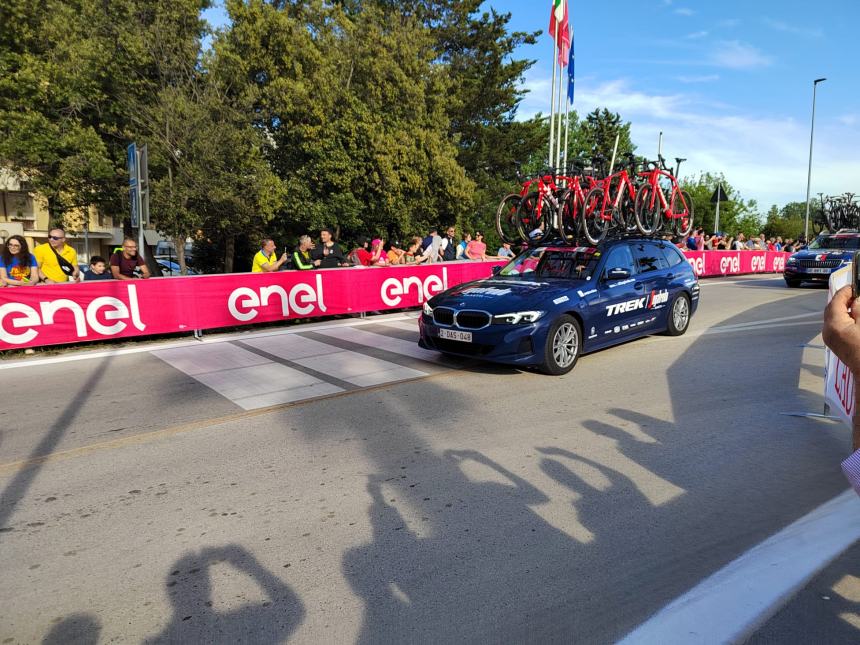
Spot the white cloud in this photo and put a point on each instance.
(759, 154)
(684, 11)
(806, 32)
(729, 22)
(734, 54)
(696, 35)
(706, 78)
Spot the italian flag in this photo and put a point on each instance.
(560, 30)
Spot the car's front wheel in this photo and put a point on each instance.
(679, 315)
(563, 345)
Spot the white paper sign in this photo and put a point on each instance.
(838, 379)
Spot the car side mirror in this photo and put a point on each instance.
(617, 274)
(496, 270)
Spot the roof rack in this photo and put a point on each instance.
(846, 230)
(556, 240)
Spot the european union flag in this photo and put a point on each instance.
(570, 72)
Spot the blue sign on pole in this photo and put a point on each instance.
(132, 164)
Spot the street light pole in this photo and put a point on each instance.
(809, 171)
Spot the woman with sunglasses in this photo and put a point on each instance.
(477, 249)
(17, 265)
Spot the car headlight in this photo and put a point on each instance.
(792, 260)
(428, 310)
(517, 317)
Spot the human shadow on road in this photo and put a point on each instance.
(464, 548)
(77, 629)
(196, 620)
(17, 488)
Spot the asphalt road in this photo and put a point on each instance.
(453, 502)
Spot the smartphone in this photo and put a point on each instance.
(855, 274)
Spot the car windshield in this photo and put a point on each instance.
(851, 242)
(546, 262)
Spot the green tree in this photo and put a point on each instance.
(736, 215)
(596, 136)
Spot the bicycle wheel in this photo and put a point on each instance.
(682, 213)
(624, 214)
(647, 210)
(594, 226)
(506, 219)
(534, 216)
(567, 218)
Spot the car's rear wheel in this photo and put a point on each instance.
(679, 315)
(563, 346)
(792, 284)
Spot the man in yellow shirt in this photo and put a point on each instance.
(265, 261)
(51, 269)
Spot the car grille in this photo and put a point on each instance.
(819, 264)
(443, 316)
(472, 319)
(456, 347)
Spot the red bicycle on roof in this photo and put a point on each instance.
(512, 218)
(610, 204)
(656, 202)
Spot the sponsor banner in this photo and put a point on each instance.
(100, 310)
(838, 379)
(712, 263)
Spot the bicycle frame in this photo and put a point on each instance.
(652, 177)
(624, 183)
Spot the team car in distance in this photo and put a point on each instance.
(552, 303)
(826, 254)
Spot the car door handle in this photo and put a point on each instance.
(639, 285)
(671, 276)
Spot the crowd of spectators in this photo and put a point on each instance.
(377, 252)
(57, 262)
(698, 240)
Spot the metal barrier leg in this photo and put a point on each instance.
(198, 334)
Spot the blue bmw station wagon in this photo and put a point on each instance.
(552, 303)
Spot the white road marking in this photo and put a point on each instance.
(83, 355)
(730, 604)
(759, 323)
(388, 343)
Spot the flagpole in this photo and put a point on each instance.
(559, 112)
(552, 100)
(566, 122)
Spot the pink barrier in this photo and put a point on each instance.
(711, 263)
(56, 314)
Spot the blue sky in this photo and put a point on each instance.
(729, 83)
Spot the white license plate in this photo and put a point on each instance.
(453, 334)
(819, 270)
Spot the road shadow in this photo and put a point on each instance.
(76, 629)
(196, 618)
(826, 610)
(16, 489)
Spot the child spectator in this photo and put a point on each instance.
(413, 253)
(360, 256)
(98, 270)
(395, 253)
(505, 250)
(378, 256)
(19, 266)
(461, 247)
